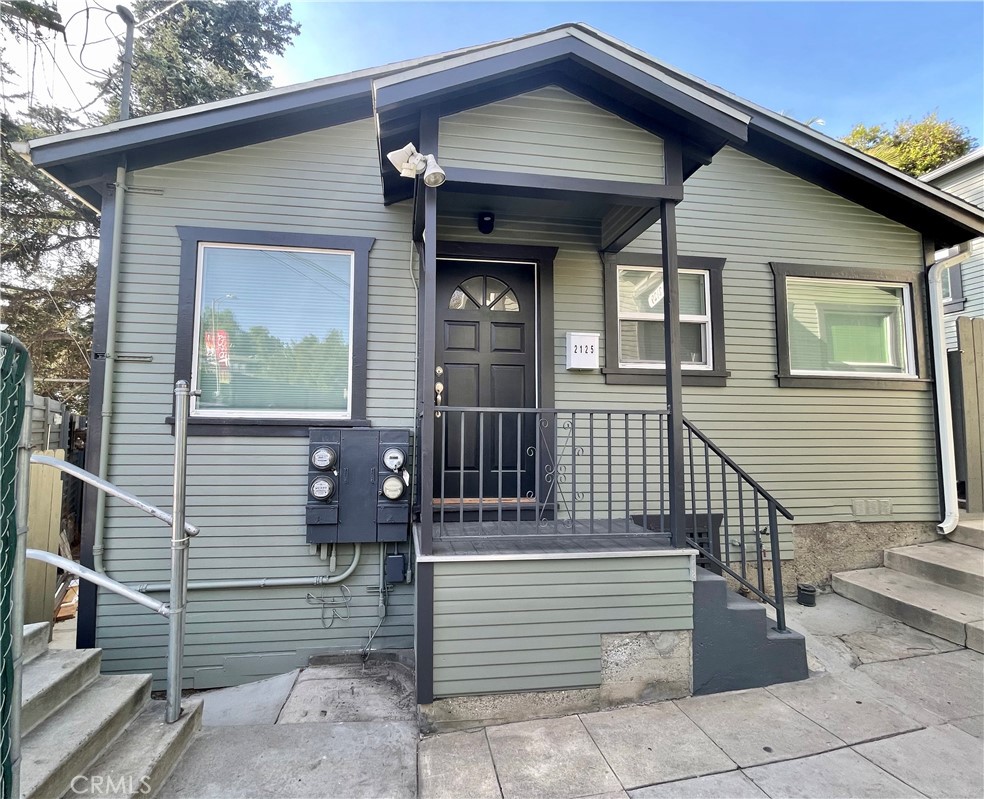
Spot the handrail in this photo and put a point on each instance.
(99, 579)
(492, 409)
(109, 488)
(744, 475)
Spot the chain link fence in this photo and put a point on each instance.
(15, 375)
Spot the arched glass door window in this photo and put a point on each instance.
(483, 291)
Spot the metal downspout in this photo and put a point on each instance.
(109, 355)
(944, 412)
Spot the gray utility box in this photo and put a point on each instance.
(358, 485)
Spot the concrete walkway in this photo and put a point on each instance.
(889, 712)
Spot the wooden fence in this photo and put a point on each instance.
(966, 368)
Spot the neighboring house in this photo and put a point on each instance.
(515, 320)
(963, 295)
(963, 285)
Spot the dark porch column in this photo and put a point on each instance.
(427, 307)
(674, 388)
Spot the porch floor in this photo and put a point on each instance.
(532, 537)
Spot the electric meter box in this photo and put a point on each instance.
(358, 485)
(583, 351)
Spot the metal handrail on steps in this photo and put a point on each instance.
(181, 533)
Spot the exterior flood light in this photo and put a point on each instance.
(410, 163)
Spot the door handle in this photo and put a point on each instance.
(438, 394)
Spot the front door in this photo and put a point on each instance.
(486, 358)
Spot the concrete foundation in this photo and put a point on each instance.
(822, 549)
(635, 667)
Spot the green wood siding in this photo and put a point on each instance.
(814, 449)
(247, 494)
(550, 132)
(968, 184)
(525, 625)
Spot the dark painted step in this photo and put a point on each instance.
(736, 644)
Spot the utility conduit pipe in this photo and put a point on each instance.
(944, 411)
(109, 355)
(263, 582)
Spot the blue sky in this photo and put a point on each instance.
(844, 62)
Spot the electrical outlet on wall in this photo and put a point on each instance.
(872, 507)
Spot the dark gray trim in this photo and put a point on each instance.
(552, 187)
(674, 386)
(184, 354)
(915, 279)
(424, 638)
(429, 87)
(621, 238)
(543, 257)
(85, 636)
(291, 428)
(283, 114)
(616, 375)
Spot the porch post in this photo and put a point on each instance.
(424, 639)
(674, 388)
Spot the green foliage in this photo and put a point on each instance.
(913, 147)
(194, 53)
(198, 52)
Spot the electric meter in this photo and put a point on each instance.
(322, 488)
(393, 487)
(393, 459)
(323, 458)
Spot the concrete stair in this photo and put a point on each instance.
(937, 588)
(89, 734)
(736, 644)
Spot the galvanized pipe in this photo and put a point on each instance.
(179, 555)
(99, 579)
(109, 488)
(258, 582)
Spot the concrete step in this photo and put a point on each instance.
(35, 640)
(975, 636)
(920, 603)
(140, 762)
(944, 562)
(66, 743)
(53, 679)
(970, 531)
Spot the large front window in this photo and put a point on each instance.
(273, 332)
(849, 327)
(641, 332)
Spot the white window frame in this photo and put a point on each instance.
(266, 413)
(908, 340)
(704, 319)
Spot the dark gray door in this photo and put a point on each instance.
(486, 347)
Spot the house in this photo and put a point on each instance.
(438, 417)
(963, 297)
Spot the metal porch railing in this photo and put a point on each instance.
(15, 460)
(521, 472)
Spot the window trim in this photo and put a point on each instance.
(714, 373)
(956, 301)
(276, 423)
(911, 282)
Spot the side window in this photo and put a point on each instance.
(272, 329)
(635, 322)
(829, 326)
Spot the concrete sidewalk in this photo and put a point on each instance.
(889, 712)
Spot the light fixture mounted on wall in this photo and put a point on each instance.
(410, 163)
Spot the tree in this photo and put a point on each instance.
(198, 52)
(187, 54)
(913, 147)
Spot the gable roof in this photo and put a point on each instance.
(600, 68)
(965, 160)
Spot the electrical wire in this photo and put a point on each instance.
(332, 604)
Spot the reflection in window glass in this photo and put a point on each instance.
(273, 331)
(848, 326)
(485, 291)
(640, 313)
